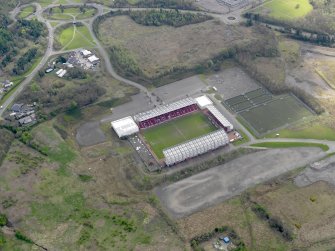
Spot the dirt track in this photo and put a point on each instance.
(223, 182)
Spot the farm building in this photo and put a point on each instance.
(125, 127)
(86, 53)
(93, 59)
(195, 147)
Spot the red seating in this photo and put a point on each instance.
(167, 116)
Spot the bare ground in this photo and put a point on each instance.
(223, 182)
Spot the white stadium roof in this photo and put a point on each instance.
(195, 147)
(218, 115)
(125, 126)
(203, 101)
(160, 110)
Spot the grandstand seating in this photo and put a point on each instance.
(168, 116)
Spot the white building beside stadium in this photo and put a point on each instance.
(195, 147)
(125, 127)
(203, 101)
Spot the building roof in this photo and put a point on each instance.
(125, 126)
(160, 110)
(195, 147)
(93, 58)
(62, 73)
(218, 115)
(17, 107)
(86, 52)
(203, 101)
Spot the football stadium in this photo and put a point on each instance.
(178, 131)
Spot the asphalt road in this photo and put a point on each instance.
(48, 52)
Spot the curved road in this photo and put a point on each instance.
(30, 76)
(49, 52)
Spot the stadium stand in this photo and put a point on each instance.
(165, 113)
(219, 118)
(195, 147)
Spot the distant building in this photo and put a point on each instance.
(27, 120)
(93, 59)
(49, 70)
(86, 53)
(17, 107)
(7, 84)
(62, 74)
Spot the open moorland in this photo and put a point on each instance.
(177, 131)
(57, 201)
(135, 47)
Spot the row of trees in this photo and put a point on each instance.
(24, 62)
(316, 27)
(167, 17)
(6, 40)
(167, 4)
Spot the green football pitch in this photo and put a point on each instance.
(281, 111)
(177, 131)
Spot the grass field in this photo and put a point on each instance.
(326, 70)
(277, 113)
(313, 131)
(75, 37)
(177, 131)
(285, 9)
(291, 144)
(26, 12)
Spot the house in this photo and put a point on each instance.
(17, 107)
(27, 120)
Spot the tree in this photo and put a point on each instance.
(2, 239)
(3, 220)
(62, 8)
